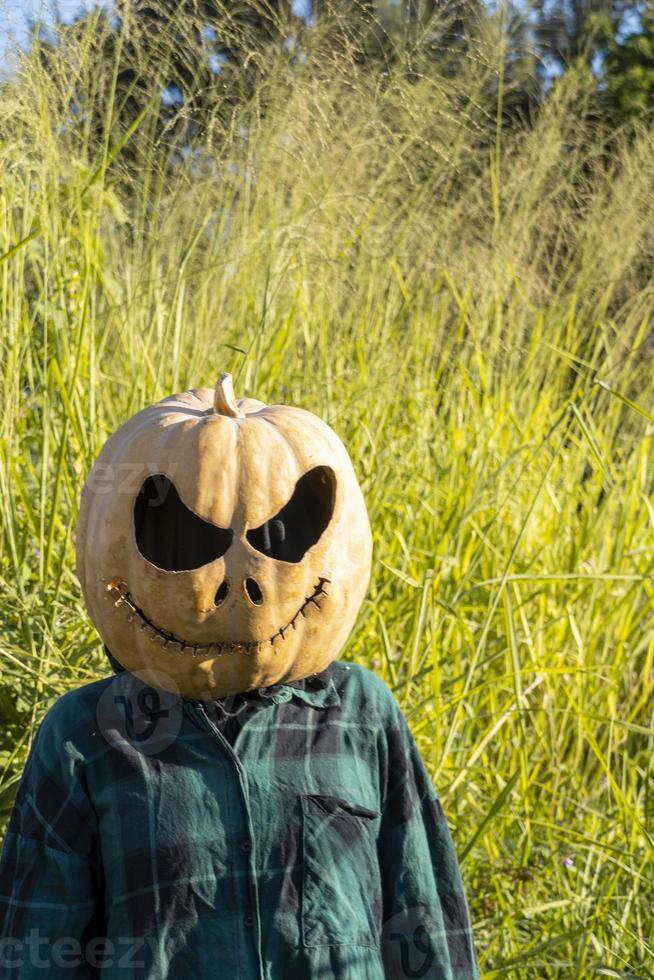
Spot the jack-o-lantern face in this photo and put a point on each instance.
(223, 545)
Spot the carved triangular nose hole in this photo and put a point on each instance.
(221, 594)
(253, 590)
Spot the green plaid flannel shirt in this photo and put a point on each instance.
(142, 844)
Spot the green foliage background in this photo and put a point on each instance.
(471, 311)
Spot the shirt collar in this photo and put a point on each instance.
(319, 691)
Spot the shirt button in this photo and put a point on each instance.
(246, 845)
(248, 920)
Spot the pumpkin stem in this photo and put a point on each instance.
(224, 400)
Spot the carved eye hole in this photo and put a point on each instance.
(171, 536)
(301, 522)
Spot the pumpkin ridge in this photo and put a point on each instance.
(218, 647)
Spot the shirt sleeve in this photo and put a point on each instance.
(48, 867)
(427, 931)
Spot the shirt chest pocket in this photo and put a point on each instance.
(341, 881)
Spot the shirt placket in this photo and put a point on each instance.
(251, 920)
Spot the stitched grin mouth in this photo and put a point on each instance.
(168, 641)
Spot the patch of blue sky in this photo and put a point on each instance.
(631, 22)
(302, 9)
(172, 96)
(216, 61)
(17, 15)
(209, 33)
(18, 18)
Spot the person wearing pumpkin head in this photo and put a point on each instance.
(234, 801)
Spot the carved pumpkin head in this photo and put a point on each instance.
(223, 545)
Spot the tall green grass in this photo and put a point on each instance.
(471, 311)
